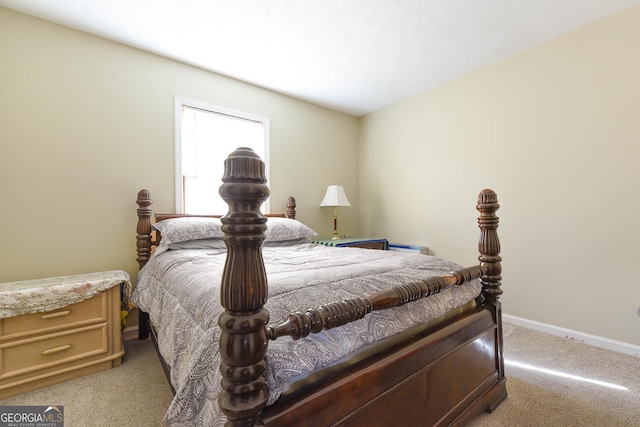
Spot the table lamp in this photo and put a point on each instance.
(335, 197)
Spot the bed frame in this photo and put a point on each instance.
(441, 373)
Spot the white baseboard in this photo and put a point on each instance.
(606, 343)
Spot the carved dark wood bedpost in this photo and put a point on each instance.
(489, 245)
(143, 249)
(291, 208)
(243, 293)
(143, 238)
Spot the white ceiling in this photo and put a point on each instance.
(354, 56)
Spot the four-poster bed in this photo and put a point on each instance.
(414, 359)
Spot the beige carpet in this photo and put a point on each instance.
(569, 395)
(536, 398)
(111, 398)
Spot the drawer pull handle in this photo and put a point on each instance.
(56, 314)
(56, 350)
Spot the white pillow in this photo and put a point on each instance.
(283, 229)
(176, 230)
(206, 233)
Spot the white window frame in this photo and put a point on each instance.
(179, 103)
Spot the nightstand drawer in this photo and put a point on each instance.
(92, 310)
(380, 245)
(44, 342)
(29, 355)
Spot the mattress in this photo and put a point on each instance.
(180, 290)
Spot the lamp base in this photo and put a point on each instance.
(335, 224)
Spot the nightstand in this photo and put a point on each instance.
(354, 242)
(56, 329)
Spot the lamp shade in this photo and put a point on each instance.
(335, 196)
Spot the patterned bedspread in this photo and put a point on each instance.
(180, 291)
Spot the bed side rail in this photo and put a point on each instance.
(314, 320)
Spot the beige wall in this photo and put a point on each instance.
(555, 131)
(85, 123)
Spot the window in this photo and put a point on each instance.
(205, 135)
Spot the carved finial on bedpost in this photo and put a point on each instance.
(291, 208)
(489, 245)
(143, 238)
(243, 292)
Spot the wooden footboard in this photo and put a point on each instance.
(446, 376)
(441, 376)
